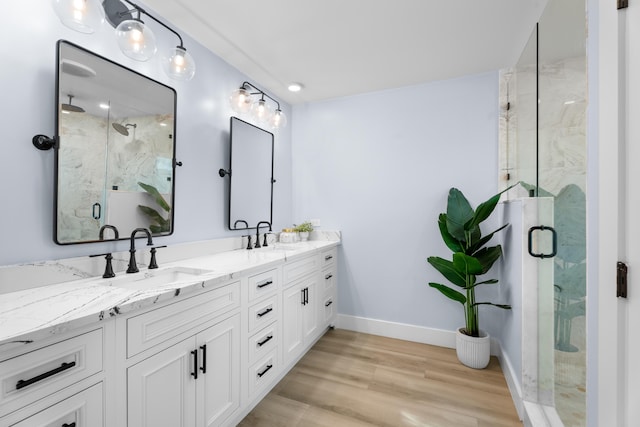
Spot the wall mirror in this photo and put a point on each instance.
(115, 151)
(251, 183)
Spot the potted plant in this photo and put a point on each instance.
(303, 230)
(460, 230)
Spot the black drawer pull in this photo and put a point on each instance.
(194, 374)
(328, 276)
(264, 341)
(328, 257)
(24, 383)
(267, 283)
(267, 311)
(328, 303)
(69, 425)
(260, 374)
(204, 358)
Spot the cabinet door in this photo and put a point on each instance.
(310, 309)
(81, 410)
(218, 384)
(161, 389)
(293, 300)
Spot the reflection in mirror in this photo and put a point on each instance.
(251, 184)
(116, 149)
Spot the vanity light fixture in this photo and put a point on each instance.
(242, 100)
(80, 15)
(135, 38)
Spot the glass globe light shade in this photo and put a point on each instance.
(278, 119)
(80, 15)
(261, 111)
(240, 100)
(178, 64)
(136, 40)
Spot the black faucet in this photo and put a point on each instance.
(258, 232)
(235, 224)
(112, 227)
(133, 266)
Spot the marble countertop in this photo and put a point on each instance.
(34, 314)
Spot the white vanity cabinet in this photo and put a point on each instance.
(329, 295)
(300, 302)
(184, 361)
(58, 383)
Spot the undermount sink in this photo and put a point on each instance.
(157, 278)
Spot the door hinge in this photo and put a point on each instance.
(621, 280)
(623, 4)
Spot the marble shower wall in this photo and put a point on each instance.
(90, 166)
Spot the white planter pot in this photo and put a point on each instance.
(473, 352)
(304, 236)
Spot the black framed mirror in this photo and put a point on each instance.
(115, 149)
(251, 181)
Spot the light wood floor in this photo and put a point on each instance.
(353, 379)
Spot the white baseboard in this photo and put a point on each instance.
(511, 377)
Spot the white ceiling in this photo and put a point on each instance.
(344, 47)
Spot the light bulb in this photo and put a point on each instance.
(81, 15)
(178, 64)
(136, 40)
(240, 100)
(278, 119)
(261, 111)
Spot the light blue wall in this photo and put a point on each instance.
(379, 166)
(30, 30)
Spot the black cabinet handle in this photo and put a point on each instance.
(69, 425)
(24, 383)
(328, 257)
(328, 276)
(204, 358)
(267, 283)
(260, 374)
(267, 311)
(306, 296)
(264, 341)
(302, 296)
(328, 303)
(194, 374)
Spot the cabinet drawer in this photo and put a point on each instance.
(263, 342)
(297, 269)
(328, 281)
(329, 258)
(329, 309)
(32, 376)
(263, 373)
(263, 313)
(154, 327)
(81, 409)
(263, 284)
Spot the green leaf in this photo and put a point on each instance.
(447, 269)
(503, 306)
(485, 209)
(466, 264)
(449, 240)
(488, 282)
(480, 243)
(449, 293)
(488, 256)
(153, 191)
(459, 212)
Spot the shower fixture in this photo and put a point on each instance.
(122, 129)
(72, 108)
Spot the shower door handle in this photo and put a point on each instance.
(96, 210)
(554, 244)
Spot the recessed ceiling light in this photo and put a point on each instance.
(295, 87)
(104, 106)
